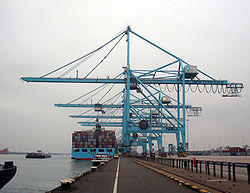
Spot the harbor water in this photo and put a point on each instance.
(41, 175)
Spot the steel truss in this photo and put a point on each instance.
(147, 111)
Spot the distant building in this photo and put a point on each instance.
(234, 151)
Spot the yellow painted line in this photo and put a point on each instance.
(203, 191)
(171, 177)
(194, 187)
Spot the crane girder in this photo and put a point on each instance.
(116, 106)
(170, 118)
(123, 81)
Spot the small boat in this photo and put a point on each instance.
(7, 172)
(38, 154)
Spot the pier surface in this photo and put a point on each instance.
(134, 177)
(137, 179)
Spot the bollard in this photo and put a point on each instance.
(182, 164)
(66, 183)
(192, 166)
(188, 164)
(197, 166)
(229, 171)
(93, 168)
(234, 176)
(214, 168)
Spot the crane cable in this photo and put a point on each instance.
(118, 76)
(90, 53)
(105, 56)
(106, 93)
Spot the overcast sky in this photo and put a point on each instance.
(39, 36)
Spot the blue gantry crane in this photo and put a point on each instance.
(152, 102)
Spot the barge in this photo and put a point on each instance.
(39, 154)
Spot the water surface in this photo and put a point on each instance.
(41, 175)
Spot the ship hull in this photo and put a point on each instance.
(6, 174)
(90, 153)
(38, 155)
(87, 143)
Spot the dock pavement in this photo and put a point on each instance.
(133, 177)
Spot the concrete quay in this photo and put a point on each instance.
(138, 176)
(131, 178)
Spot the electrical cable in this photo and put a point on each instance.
(193, 91)
(201, 91)
(207, 90)
(216, 88)
(169, 90)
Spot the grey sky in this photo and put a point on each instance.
(39, 36)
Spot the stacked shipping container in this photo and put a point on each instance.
(94, 139)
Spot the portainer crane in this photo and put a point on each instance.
(148, 109)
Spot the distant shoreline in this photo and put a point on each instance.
(24, 153)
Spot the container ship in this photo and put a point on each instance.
(87, 143)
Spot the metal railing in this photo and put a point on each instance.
(215, 168)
